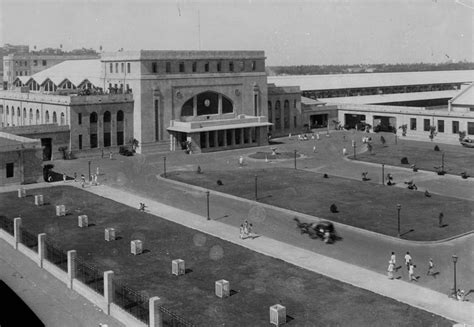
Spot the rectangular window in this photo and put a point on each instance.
(168, 67)
(154, 67)
(426, 125)
(219, 65)
(35, 62)
(254, 65)
(122, 67)
(194, 67)
(294, 104)
(206, 67)
(470, 128)
(413, 124)
(128, 68)
(111, 65)
(455, 127)
(80, 142)
(44, 62)
(294, 121)
(231, 66)
(10, 169)
(241, 66)
(181, 67)
(440, 126)
(116, 67)
(79, 118)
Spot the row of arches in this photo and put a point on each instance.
(24, 117)
(278, 113)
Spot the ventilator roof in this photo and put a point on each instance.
(349, 81)
(75, 71)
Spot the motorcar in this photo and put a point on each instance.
(324, 230)
(124, 151)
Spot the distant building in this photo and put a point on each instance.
(27, 64)
(20, 160)
(9, 49)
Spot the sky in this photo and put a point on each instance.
(291, 32)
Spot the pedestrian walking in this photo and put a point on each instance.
(241, 161)
(393, 259)
(344, 152)
(241, 231)
(95, 180)
(111, 155)
(249, 230)
(314, 149)
(97, 170)
(390, 269)
(75, 177)
(246, 229)
(430, 268)
(408, 260)
(64, 178)
(411, 273)
(83, 180)
(317, 136)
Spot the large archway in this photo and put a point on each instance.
(107, 128)
(206, 104)
(93, 130)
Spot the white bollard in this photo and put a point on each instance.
(110, 234)
(21, 192)
(136, 247)
(83, 221)
(222, 288)
(277, 315)
(178, 267)
(39, 200)
(60, 210)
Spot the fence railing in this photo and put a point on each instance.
(7, 225)
(29, 240)
(170, 318)
(89, 275)
(131, 301)
(55, 255)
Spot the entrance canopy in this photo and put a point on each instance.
(214, 125)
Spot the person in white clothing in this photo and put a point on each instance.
(408, 260)
(390, 269)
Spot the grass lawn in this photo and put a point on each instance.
(257, 281)
(456, 157)
(361, 204)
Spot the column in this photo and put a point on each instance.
(156, 320)
(17, 231)
(241, 131)
(108, 288)
(207, 140)
(232, 131)
(225, 136)
(100, 131)
(41, 249)
(216, 139)
(219, 104)
(71, 267)
(113, 130)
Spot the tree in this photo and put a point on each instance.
(404, 129)
(382, 140)
(462, 135)
(432, 132)
(133, 143)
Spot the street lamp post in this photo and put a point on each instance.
(256, 177)
(354, 146)
(399, 207)
(207, 196)
(295, 159)
(90, 177)
(383, 174)
(164, 166)
(455, 259)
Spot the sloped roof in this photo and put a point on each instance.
(465, 97)
(76, 71)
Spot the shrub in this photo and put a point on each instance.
(219, 182)
(404, 161)
(382, 140)
(462, 135)
(199, 171)
(436, 148)
(333, 208)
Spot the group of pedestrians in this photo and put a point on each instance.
(410, 266)
(246, 230)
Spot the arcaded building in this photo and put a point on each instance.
(207, 100)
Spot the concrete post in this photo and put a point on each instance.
(156, 319)
(17, 231)
(71, 267)
(108, 288)
(41, 249)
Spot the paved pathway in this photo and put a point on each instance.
(402, 291)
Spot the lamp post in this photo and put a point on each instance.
(207, 196)
(455, 259)
(256, 178)
(90, 171)
(354, 146)
(383, 174)
(164, 166)
(442, 161)
(295, 159)
(399, 207)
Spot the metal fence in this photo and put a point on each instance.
(29, 240)
(89, 275)
(55, 255)
(7, 225)
(131, 301)
(170, 318)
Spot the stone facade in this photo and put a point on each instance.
(284, 110)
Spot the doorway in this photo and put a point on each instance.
(47, 145)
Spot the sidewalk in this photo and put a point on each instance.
(402, 291)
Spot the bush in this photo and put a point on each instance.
(436, 148)
(382, 140)
(219, 182)
(404, 161)
(199, 171)
(333, 208)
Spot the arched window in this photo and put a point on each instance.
(227, 106)
(37, 117)
(207, 103)
(31, 117)
(62, 122)
(107, 117)
(18, 116)
(120, 115)
(93, 118)
(24, 116)
(270, 113)
(46, 117)
(286, 114)
(277, 115)
(8, 111)
(55, 117)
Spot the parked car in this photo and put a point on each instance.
(324, 230)
(124, 151)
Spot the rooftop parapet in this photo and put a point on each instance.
(66, 99)
(180, 55)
